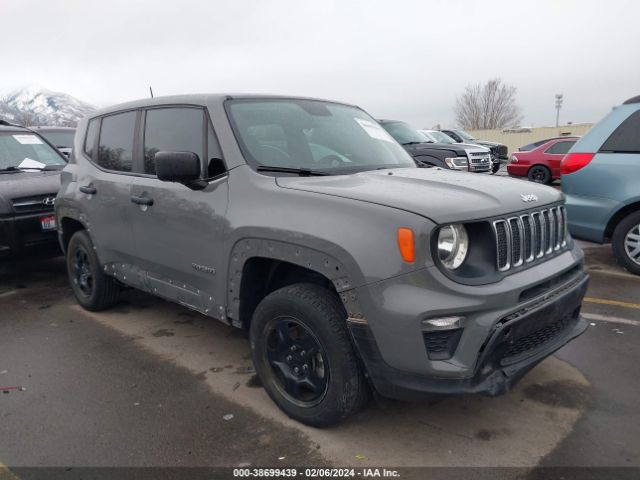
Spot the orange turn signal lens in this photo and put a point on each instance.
(406, 244)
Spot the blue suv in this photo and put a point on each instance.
(601, 179)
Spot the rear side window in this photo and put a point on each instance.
(625, 138)
(560, 148)
(532, 146)
(90, 139)
(115, 151)
(172, 130)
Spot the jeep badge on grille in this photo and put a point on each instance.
(529, 198)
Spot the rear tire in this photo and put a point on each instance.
(92, 288)
(626, 242)
(303, 355)
(540, 174)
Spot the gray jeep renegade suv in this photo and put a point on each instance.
(304, 222)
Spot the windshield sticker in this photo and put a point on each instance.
(29, 163)
(374, 130)
(28, 139)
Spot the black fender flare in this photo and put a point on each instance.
(318, 261)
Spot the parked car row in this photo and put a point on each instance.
(427, 151)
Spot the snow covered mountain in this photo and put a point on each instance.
(39, 106)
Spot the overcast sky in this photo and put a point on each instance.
(397, 59)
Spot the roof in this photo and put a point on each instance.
(635, 99)
(198, 99)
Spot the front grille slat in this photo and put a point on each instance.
(565, 227)
(517, 241)
(503, 244)
(530, 236)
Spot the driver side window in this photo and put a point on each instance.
(174, 130)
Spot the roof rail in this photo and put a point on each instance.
(635, 99)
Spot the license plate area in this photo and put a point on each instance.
(48, 223)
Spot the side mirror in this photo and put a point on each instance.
(180, 167)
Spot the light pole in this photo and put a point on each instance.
(559, 97)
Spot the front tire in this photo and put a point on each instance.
(626, 242)
(303, 355)
(92, 288)
(540, 174)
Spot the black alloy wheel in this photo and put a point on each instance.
(297, 360)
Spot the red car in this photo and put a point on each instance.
(540, 161)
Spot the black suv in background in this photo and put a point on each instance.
(424, 150)
(498, 150)
(29, 180)
(59, 137)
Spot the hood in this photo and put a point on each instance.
(415, 149)
(26, 184)
(441, 195)
(476, 147)
(486, 143)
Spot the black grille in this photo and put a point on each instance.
(537, 224)
(527, 237)
(547, 231)
(526, 223)
(34, 204)
(538, 338)
(516, 237)
(503, 245)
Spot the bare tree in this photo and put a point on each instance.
(492, 105)
(26, 118)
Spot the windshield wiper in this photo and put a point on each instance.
(303, 172)
(13, 168)
(413, 143)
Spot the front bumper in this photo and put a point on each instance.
(497, 347)
(22, 234)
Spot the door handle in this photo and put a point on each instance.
(88, 189)
(142, 200)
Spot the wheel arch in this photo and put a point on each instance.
(618, 216)
(70, 221)
(259, 266)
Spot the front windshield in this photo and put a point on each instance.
(441, 137)
(315, 135)
(404, 133)
(62, 139)
(466, 136)
(26, 150)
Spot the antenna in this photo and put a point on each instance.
(151, 91)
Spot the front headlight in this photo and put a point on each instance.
(453, 245)
(456, 163)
